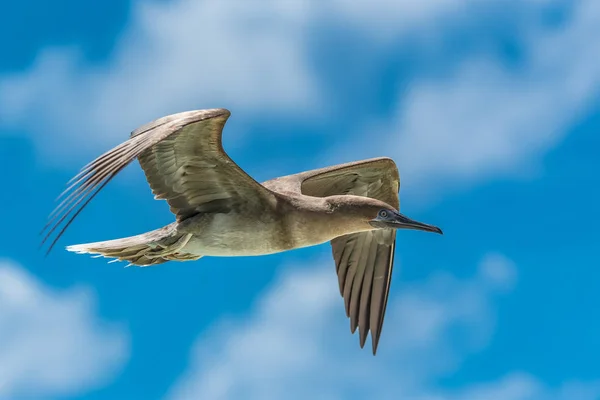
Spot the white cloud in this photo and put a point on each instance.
(485, 118)
(520, 386)
(482, 118)
(248, 56)
(296, 344)
(174, 56)
(50, 342)
(383, 20)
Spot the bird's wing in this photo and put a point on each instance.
(364, 261)
(184, 162)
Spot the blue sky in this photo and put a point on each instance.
(491, 110)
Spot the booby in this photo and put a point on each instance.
(221, 211)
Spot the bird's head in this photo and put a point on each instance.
(388, 218)
(377, 214)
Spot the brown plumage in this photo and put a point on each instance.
(221, 211)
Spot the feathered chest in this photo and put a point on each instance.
(229, 234)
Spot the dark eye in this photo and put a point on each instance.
(383, 214)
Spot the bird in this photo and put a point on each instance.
(221, 211)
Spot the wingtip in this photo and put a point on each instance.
(363, 340)
(363, 337)
(375, 342)
(48, 250)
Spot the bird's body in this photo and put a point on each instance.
(221, 211)
(283, 225)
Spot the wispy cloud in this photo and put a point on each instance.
(250, 57)
(50, 342)
(481, 118)
(174, 56)
(488, 117)
(296, 343)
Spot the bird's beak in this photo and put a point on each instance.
(399, 221)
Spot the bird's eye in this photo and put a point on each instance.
(383, 214)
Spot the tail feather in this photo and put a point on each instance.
(151, 248)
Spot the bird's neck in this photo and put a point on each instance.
(318, 221)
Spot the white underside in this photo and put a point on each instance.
(228, 237)
(225, 237)
(212, 247)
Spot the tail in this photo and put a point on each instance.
(151, 248)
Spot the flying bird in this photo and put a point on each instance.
(221, 211)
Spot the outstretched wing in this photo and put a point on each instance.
(364, 261)
(184, 162)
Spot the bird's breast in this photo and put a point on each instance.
(235, 235)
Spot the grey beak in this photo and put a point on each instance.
(400, 221)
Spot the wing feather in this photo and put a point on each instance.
(184, 162)
(363, 261)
